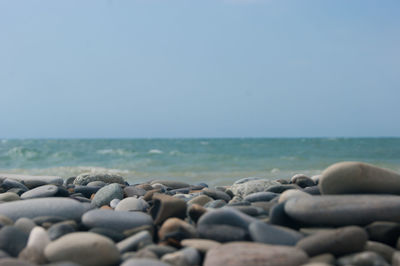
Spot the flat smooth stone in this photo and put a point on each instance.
(83, 248)
(12, 240)
(62, 207)
(9, 196)
(144, 262)
(29, 180)
(357, 177)
(246, 187)
(272, 234)
(340, 210)
(41, 192)
(226, 216)
(107, 193)
(345, 240)
(137, 241)
(115, 220)
(255, 254)
(131, 204)
(86, 178)
(260, 196)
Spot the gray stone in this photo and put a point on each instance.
(114, 203)
(282, 187)
(132, 191)
(222, 232)
(118, 221)
(366, 258)
(215, 204)
(132, 204)
(302, 181)
(33, 181)
(385, 232)
(226, 216)
(112, 234)
(34, 250)
(160, 250)
(97, 183)
(15, 262)
(272, 234)
(12, 240)
(396, 259)
(83, 248)
(25, 224)
(144, 262)
(9, 184)
(185, 257)
(137, 241)
(58, 230)
(171, 184)
(245, 188)
(339, 210)
(339, 242)
(107, 193)
(85, 178)
(260, 196)
(357, 177)
(202, 245)
(216, 194)
(41, 192)
(9, 196)
(255, 254)
(62, 207)
(383, 250)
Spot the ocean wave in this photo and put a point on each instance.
(21, 152)
(120, 152)
(155, 151)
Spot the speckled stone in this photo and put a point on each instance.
(85, 178)
(107, 193)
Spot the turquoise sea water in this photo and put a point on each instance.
(214, 161)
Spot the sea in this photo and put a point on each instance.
(213, 161)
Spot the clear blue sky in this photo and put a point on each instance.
(210, 68)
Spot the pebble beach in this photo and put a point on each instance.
(348, 215)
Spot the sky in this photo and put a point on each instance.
(210, 68)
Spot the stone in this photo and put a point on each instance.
(366, 258)
(255, 254)
(144, 262)
(33, 181)
(202, 245)
(171, 184)
(195, 211)
(260, 196)
(226, 216)
(132, 204)
(185, 257)
(272, 234)
(112, 234)
(396, 258)
(176, 229)
(314, 190)
(137, 241)
(222, 232)
(251, 186)
(340, 210)
(385, 232)
(107, 193)
(160, 250)
(134, 191)
(339, 242)
(282, 187)
(142, 253)
(278, 216)
(9, 196)
(15, 262)
(4, 220)
(12, 240)
(41, 192)
(34, 250)
(63, 207)
(201, 200)
(292, 193)
(215, 204)
(86, 191)
(83, 248)
(216, 194)
(11, 183)
(118, 221)
(383, 250)
(302, 181)
(58, 230)
(114, 203)
(165, 206)
(25, 224)
(326, 258)
(249, 210)
(97, 183)
(85, 178)
(357, 177)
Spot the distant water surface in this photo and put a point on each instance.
(214, 161)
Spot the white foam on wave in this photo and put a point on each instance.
(113, 152)
(155, 151)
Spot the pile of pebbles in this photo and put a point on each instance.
(349, 215)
